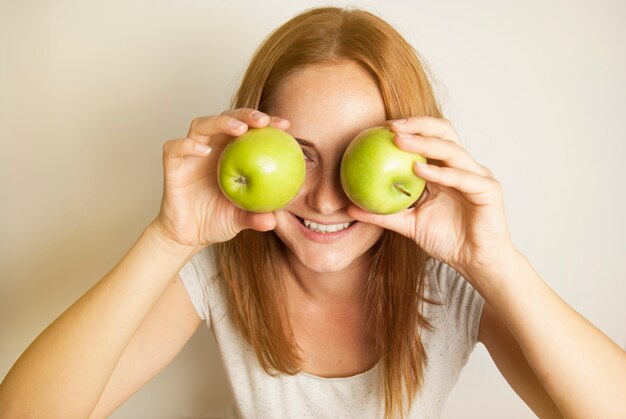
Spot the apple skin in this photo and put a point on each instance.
(262, 170)
(374, 172)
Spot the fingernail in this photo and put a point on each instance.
(281, 121)
(405, 136)
(398, 122)
(258, 115)
(236, 124)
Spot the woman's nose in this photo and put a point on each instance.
(326, 194)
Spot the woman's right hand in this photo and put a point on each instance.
(194, 211)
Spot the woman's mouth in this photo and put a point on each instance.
(324, 233)
(324, 228)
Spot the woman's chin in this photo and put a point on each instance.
(325, 256)
(320, 262)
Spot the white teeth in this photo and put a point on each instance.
(322, 228)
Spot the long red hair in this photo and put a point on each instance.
(250, 264)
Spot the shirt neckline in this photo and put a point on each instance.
(356, 377)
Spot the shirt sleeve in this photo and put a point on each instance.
(197, 276)
(461, 304)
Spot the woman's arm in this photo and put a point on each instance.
(583, 371)
(513, 365)
(461, 221)
(170, 324)
(65, 370)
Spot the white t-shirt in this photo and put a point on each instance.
(259, 395)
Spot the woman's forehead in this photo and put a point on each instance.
(329, 102)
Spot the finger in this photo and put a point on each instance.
(279, 122)
(175, 149)
(426, 126)
(203, 128)
(448, 152)
(257, 119)
(477, 189)
(233, 122)
(252, 117)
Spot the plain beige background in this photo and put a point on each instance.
(90, 90)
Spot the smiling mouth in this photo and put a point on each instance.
(324, 228)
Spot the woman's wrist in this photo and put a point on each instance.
(495, 273)
(166, 244)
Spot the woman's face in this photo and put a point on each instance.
(327, 106)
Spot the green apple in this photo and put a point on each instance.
(377, 175)
(261, 170)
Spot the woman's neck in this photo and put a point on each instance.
(340, 288)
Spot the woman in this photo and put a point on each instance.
(376, 319)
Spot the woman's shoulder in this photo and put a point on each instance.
(456, 305)
(203, 264)
(200, 277)
(443, 282)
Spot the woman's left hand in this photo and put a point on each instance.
(460, 217)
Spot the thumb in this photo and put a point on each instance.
(264, 221)
(399, 222)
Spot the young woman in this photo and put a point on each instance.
(374, 319)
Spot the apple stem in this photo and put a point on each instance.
(401, 189)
